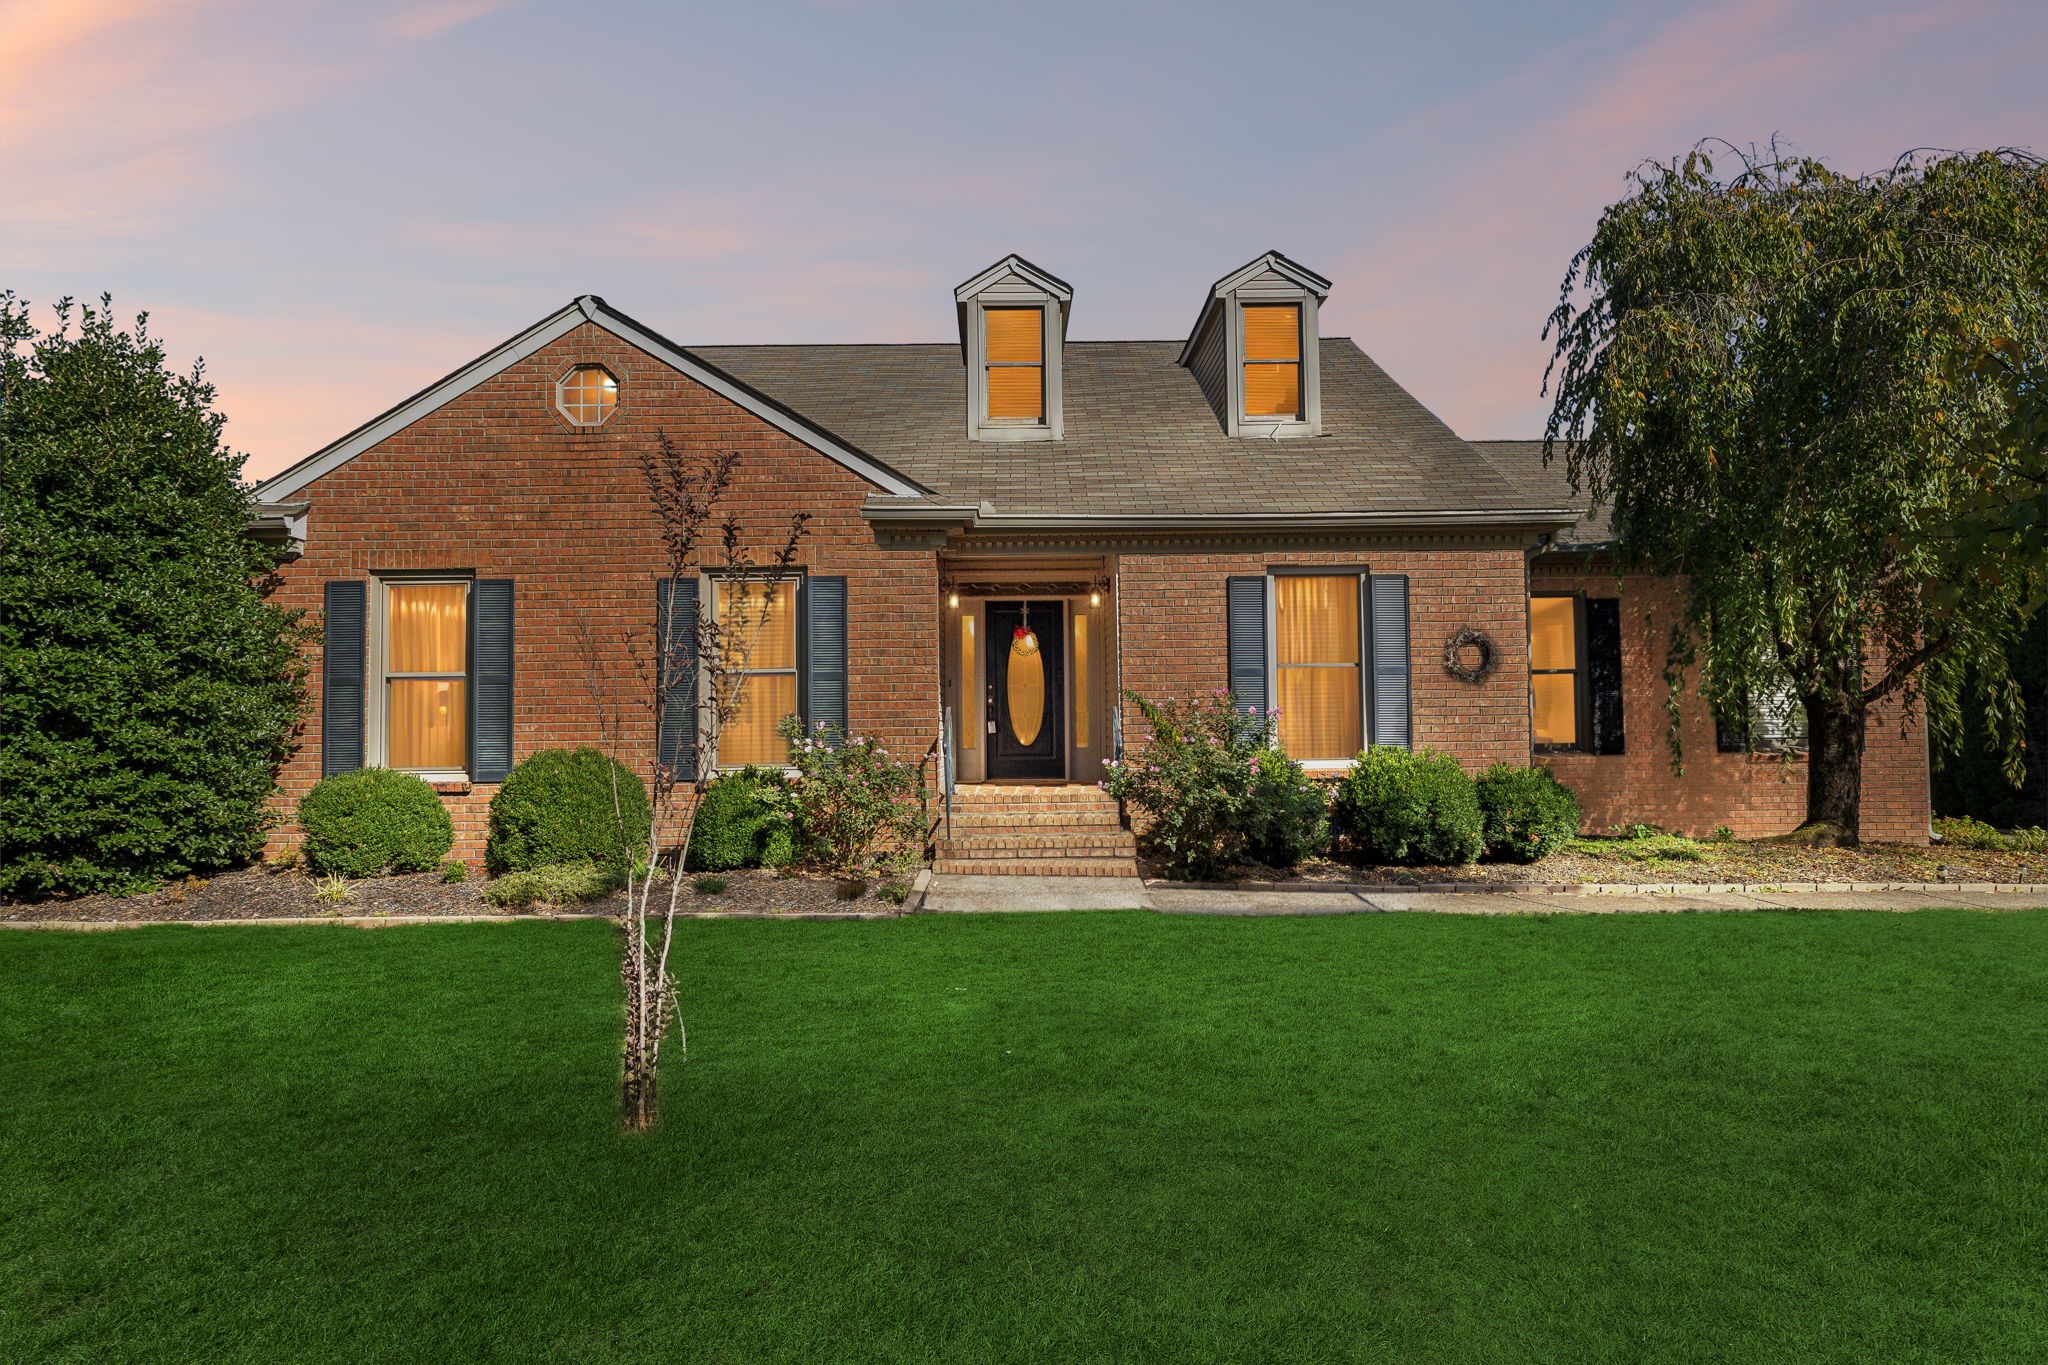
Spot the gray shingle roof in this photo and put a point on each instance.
(1522, 462)
(1140, 438)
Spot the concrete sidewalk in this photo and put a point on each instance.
(951, 894)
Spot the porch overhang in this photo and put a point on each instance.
(924, 524)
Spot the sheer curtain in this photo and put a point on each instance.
(1316, 639)
(428, 632)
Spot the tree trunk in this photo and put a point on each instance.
(1834, 759)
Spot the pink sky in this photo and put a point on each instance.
(334, 205)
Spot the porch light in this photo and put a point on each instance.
(1095, 598)
(953, 600)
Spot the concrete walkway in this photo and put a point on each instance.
(949, 894)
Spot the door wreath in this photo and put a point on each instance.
(1469, 656)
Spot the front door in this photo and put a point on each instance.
(1026, 675)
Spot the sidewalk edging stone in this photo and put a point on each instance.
(1587, 888)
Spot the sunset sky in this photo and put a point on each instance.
(336, 204)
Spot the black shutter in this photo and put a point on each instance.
(342, 668)
(676, 676)
(822, 656)
(1392, 723)
(1603, 672)
(490, 671)
(1246, 629)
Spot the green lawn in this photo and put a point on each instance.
(1740, 1137)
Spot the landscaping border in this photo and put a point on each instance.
(1589, 888)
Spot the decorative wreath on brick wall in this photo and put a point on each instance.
(1470, 656)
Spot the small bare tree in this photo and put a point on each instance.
(698, 670)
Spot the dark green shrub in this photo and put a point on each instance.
(1287, 813)
(147, 690)
(367, 823)
(567, 806)
(1527, 813)
(736, 821)
(1400, 807)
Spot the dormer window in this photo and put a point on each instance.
(1015, 385)
(1013, 327)
(1272, 360)
(1255, 352)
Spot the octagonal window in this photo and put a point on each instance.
(587, 395)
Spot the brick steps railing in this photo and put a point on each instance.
(1035, 831)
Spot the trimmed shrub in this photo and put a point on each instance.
(1287, 813)
(367, 823)
(554, 884)
(736, 820)
(557, 807)
(1527, 813)
(1417, 808)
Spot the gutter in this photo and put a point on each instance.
(984, 516)
(281, 525)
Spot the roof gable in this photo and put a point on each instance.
(587, 308)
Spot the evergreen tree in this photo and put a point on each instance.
(148, 690)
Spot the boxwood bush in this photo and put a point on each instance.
(367, 823)
(739, 825)
(1528, 813)
(557, 806)
(1287, 813)
(1400, 807)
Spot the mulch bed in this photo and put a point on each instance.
(1720, 863)
(263, 893)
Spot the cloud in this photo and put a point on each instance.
(422, 22)
(1452, 295)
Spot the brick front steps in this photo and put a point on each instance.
(1035, 831)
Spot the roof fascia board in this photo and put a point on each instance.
(986, 517)
(1271, 260)
(331, 457)
(552, 328)
(1013, 264)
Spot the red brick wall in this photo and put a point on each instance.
(1173, 637)
(1753, 794)
(497, 483)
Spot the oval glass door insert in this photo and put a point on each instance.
(1024, 681)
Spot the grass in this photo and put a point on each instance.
(1760, 1137)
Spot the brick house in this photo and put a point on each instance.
(1009, 531)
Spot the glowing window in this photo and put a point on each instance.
(587, 395)
(426, 676)
(758, 637)
(1554, 670)
(1272, 360)
(1318, 671)
(1016, 364)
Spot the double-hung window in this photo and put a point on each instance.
(759, 639)
(1016, 364)
(425, 702)
(1319, 674)
(1554, 669)
(1272, 360)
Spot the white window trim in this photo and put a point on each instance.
(1051, 424)
(1310, 422)
(377, 724)
(562, 408)
(709, 584)
(1364, 577)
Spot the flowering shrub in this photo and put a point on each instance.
(852, 808)
(1217, 790)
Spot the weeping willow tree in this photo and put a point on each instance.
(1813, 399)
